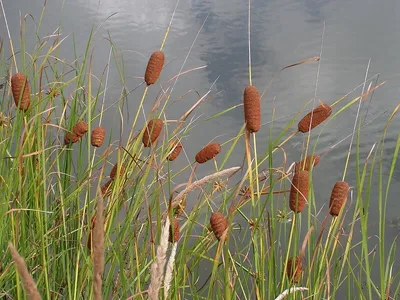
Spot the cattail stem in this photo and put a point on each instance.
(287, 139)
(317, 246)
(98, 248)
(249, 41)
(327, 244)
(292, 228)
(248, 156)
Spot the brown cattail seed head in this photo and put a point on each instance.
(307, 164)
(218, 224)
(97, 137)
(252, 108)
(299, 191)
(80, 128)
(152, 131)
(70, 137)
(114, 170)
(154, 67)
(208, 152)
(319, 114)
(21, 97)
(294, 268)
(176, 232)
(177, 148)
(105, 188)
(338, 197)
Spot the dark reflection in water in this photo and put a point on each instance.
(315, 10)
(227, 55)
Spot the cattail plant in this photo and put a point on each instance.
(97, 136)
(299, 191)
(176, 148)
(152, 132)
(208, 152)
(294, 268)
(315, 117)
(113, 173)
(105, 188)
(307, 164)
(80, 128)
(338, 197)
(174, 237)
(70, 137)
(218, 224)
(251, 101)
(21, 91)
(154, 67)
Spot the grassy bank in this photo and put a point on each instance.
(87, 213)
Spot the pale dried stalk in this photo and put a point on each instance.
(98, 248)
(169, 271)
(157, 268)
(200, 182)
(27, 280)
(289, 291)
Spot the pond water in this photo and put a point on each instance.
(283, 32)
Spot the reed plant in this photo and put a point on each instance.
(88, 214)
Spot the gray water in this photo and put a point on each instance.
(282, 33)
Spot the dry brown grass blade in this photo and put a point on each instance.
(302, 62)
(185, 72)
(369, 91)
(98, 247)
(27, 280)
(304, 245)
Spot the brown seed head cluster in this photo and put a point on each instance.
(152, 132)
(307, 164)
(154, 67)
(80, 128)
(113, 173)
(319, 114)
(294, 268)
(20, 90)
(252, 108)
(208, 152)
(97, 136)
(173, 238)
(177, 148)
(338, 197)
(218, 224)
(105, 188)
(299, 191)
(70, 137)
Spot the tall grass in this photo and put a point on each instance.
(50, 192)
